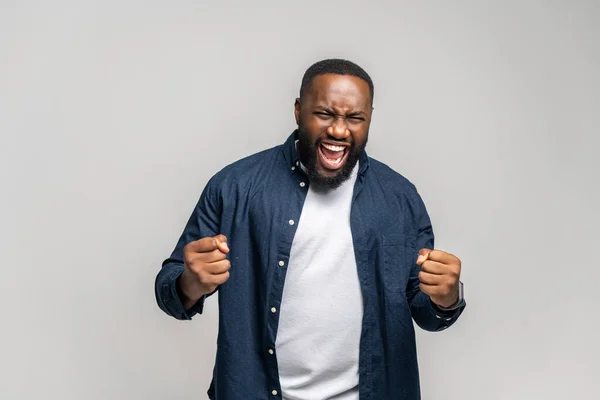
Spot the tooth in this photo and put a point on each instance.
(332, 147)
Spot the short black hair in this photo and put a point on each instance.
(335, 66)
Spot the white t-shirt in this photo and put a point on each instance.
(321, 311)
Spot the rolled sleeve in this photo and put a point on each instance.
(169, 298)
(204, 222)
(424, 312)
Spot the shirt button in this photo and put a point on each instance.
(273, 310)
(281, 263)
(270, 351)
(293, 168)
(274, 392)
(302, 184)
(291, 222)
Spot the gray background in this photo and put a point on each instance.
(114, 114)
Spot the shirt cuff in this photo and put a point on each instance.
(197, 308)
(449, 313)
(173, 299)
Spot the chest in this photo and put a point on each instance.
(289, 212)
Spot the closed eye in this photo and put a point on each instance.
(323, 115)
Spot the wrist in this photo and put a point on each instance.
(188, 292)
(448, 307)
(459, 300)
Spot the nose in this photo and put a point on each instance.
(338, 129)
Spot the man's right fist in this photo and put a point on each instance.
(205, 268)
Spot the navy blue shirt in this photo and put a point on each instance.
(252, 202)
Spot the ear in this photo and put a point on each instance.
(297, 110)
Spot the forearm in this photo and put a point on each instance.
(188, 302)
(169, 297)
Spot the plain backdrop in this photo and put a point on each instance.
(114, 114)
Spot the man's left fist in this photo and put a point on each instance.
(439, 276)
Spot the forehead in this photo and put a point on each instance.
(339, 90)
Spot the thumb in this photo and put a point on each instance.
(423, 255)
(221, 241)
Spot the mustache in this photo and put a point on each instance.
(344, 143)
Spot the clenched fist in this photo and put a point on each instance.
(439, 276)
(205, 268)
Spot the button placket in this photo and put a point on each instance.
(287, 232)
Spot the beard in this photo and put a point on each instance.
(308, 156)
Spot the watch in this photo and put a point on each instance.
(459, 303)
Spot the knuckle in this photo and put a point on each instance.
(446, 289)
(225, 277)
(196, 267)
(192, 258)
(189, 264)
(203, 276)
(210, 256)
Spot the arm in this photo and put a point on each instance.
(204, 222)
(426, 314)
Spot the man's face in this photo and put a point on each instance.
(333, 120)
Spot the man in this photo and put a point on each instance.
(322, 257)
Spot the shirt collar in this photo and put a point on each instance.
(292, 158)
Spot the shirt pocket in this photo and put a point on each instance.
(398, 251)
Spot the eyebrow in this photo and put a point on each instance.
(329, 111)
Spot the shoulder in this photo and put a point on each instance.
(389, 178)
(396, 185)
(245, 170)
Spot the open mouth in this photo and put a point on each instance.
(332, 157)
